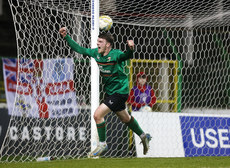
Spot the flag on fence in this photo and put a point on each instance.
(40, 88)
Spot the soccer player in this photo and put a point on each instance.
(111, 63)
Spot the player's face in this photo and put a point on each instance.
(101, 45)
(141, 81)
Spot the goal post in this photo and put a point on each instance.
(95, 93)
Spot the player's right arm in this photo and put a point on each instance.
(129, 53)
(75, 46)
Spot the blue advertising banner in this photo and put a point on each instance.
(205, 136)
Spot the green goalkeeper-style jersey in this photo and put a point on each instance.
(111, 66)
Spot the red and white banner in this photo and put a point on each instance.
(45, 87)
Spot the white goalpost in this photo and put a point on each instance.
(52, 91)
(94, 71)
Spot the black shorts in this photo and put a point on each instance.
(116, 101)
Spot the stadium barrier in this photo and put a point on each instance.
(184, 135)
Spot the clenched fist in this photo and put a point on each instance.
(130, 44)
(63, 31)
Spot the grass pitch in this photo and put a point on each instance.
(194, 162)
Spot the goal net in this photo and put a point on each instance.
(181, 47)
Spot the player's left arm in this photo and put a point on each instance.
(129, 53)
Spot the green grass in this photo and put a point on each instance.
(192, 162)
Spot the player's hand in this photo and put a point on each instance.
(130, 44)
(63, 31)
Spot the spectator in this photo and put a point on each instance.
(142, 94)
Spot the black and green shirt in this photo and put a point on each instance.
(111, 66)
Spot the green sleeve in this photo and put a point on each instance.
(125, 56)
(76, 47)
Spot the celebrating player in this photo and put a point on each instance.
(111, 63)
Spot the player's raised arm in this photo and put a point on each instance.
(129, 53)
(74, 45)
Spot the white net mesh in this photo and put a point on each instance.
(181, 46)
(50, 114)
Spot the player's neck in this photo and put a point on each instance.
(107, 51)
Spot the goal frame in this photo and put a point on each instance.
(95, 92)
